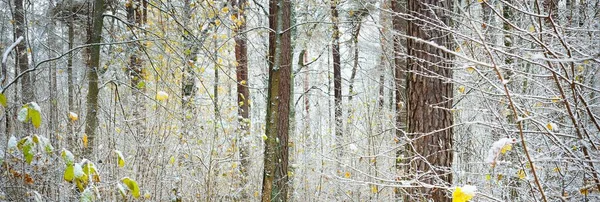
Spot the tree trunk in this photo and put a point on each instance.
(21, 52)
(399, 26)
(337, 75)
(70, 84)
(93, 65)
(430, 98)
(275, 175)
(243, 93)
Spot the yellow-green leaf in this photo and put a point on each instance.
(90, 170)
(133, 186)
(506, 148)
(68, 157)
(69, 174)
(34, 114)
(26, 146)
(3, 101)
(120, 159)
(162, 96)
(521, 174)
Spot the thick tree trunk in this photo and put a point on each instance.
(430, 98)
(399, 26)
(275, 175)
(93, 65)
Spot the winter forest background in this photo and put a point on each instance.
(293, 100)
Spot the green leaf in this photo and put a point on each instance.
(3, 100)
(133, 186)
(141, 85)
(68, 157)
(120, 159)
(26, 146)
(87, 195)
(69, 174)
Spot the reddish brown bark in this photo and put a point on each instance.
(429, 98)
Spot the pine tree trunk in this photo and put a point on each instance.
(429, 98)
(243, 93)
(275, 175)
(399, 26)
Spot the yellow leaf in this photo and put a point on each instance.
(506, 148)
(120, 158)
(347, 174)
(555, 99)
(580, 68)
(463, 194)
(586, 62)
(458, 49)
(584, 191)
(461, 89)
(470, 69)
(500, 176)
(73, 116)
(488, 177)
(225, 9)
(234, 165)
(133, 186)
(374, 189)
(551, 126)
(531, 28)
(172, 160)
(538, 104)
(556, 169)
(85, 140)
(162, 96)
(521, 174)
(147, 195)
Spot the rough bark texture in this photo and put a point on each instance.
(429, 98)
(243, 93)
(21, 52)
(95, 36)
(275, 177)
(337, 75)
(399, 26)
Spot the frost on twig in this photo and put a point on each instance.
(501, 146)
